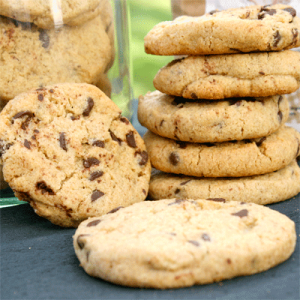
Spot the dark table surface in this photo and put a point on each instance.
(38, 262)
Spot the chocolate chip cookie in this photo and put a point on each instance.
(247, 29)
(33, 57)
(261, 189)
(201, 121)
(231, 75)
(179, 242)
(227, 159)
(67, 150)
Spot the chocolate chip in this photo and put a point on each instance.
(91, 161)
(144, 156)
(130, 139)
(36, 131)
(177, 191)
(295, 35)
(41, 97)
(115, 138)
(161, 122)
(4, 147)
(51, 91)
(177, 201)
(33, 137)
(96, 175)
(261, 73)
(93, 223)
(144, 191)
(73, 118)
(185, 182)
(124, 120)
(80, 242)
(228, 261)
(258, 143)
(195, 243)
(96, 195)
(241, 213)
(115, 209)
(98, 143)
(277, 38)
(206, 237)
(62, 141)
(27, 144)
(174, 158)
(182, 145)
(90, 105)
(194, 96)
(265, 12)
(44, 38)
(217, 199)
(280, 116)
(291, 10)
(41, 185)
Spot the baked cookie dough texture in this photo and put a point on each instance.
(67, 150)
(248, 29)
(179, 242)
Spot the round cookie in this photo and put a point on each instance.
(212, 121)
(231, 75)
(248, 29)
(47, 14)
(67, 150)
(227, 159)
(177, 243)
(261, 189)
(32, 57)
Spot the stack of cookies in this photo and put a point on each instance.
(218, 117)
(54, 41)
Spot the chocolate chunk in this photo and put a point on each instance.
(80, 242)
(21, 114)
(261, 73)
(90, 105)
(93, 223)
(41, 97)
(96, 175)
(228, 261)
(73, 118)
(174, 158)
(182, 145)
(277, 38)
(4, 147)
(195, 243)
(98, 143)
(44, 38)
(124, 120)
(96, 195)
(241, 213)
(291, 10)
(27, 144)
(144, 156)
(295, 35)
(91, 161)
(280, 116)
(115, 209)
(258, 143)
(115, 138)
(36, 131)
(185, 182)
(206, 237)
(194, 96)
(217, 199)
(33, 137)
(177, 201)
(144, 192)
(177, 191)
(130, 139)
(62, 141)
(51, 91)
(41, 185)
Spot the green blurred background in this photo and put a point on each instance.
(145, 14)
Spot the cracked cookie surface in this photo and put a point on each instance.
(231, 75)
(227, 159)
(202, 121)
(33, 57)
(248, 29)
(67, 150)
(176, 243)
(261, 189)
